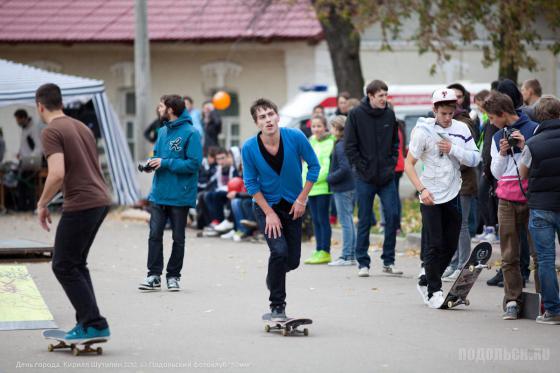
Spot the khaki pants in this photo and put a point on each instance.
(513, 217)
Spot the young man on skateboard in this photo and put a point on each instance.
(272, 169)
(71, 152)
(443, 144)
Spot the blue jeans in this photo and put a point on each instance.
(365, 196)
(344, 202)
(319, 207)
(285, 252)
(158, 218)
(544, 227)
(242, 208)
(464, 248)
(215, 202)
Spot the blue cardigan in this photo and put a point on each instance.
(260, 177)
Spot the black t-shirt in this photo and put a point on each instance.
(275, 162)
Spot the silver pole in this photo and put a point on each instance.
(142, 78)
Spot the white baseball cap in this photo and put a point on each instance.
(444, 94)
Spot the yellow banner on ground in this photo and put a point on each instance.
(20, 300)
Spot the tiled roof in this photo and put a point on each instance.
(168, 20)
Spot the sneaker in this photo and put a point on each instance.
(239, 236)
(436, 300)
(423, 290)
(251, 224)
(548, 318)
(78, 333)
(342, 262)
(492, 238)
(224, 226)
(363, 272)
(448, 271)
(319, 257)
(422, 273)
(213, 223)
(452, 277)
(151, 283)
(480, 237)
(278, 314)
(391, 270)
(512, 311)
(494, 281)
(173, 284)
(228, 236)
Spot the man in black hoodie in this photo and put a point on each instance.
(372, 146)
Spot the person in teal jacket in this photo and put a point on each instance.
(176, 161)
(322, 143)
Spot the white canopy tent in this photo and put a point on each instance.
(18, 84)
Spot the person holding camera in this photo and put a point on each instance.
(539, 163)
(513, 212)
(176, 161)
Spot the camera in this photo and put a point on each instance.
(508, 132)
(145, 166)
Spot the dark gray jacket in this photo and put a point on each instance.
(341, 176)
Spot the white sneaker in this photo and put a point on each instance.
(480, 237)
(228, 236)
(363, 272)
(437, 299)
(491, 237)
(239, 236)
(224, 226)
(342, 262)
(391, 270)
(452, 277)
(448, 271)
(423, 290)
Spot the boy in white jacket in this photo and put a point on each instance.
(443, 144)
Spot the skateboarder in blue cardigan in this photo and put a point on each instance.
(272, 164)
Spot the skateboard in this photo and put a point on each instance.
(286, 327)
(469, 273)
(531, 305)
(58, 335)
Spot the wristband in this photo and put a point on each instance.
(300, 203)
(421, 190)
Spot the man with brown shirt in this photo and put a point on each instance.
(71, 153)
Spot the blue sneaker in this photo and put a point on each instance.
(78, 333)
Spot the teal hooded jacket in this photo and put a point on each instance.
(179, 147)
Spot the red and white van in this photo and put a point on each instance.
(409, 101)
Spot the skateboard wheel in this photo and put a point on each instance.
(467, 302)
(99, 350)
(50, 347)
(305, 332)
(267, 328)
(285, 332)
(471, 268)
(75, 351)
(450, 304)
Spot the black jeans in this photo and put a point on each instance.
(178, 217)
(285, 253)
(487, 203)
(442, 227)
(74, 237)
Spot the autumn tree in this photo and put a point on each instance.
(507, 30)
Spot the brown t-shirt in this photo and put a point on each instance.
(83, 186)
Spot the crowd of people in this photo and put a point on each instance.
(497, 161)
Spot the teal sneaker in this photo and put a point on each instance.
(78, 333)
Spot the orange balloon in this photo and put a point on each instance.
(221, 100)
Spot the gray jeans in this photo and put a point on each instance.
(464, 247)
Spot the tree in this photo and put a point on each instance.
(506, 28)
(342, 22)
